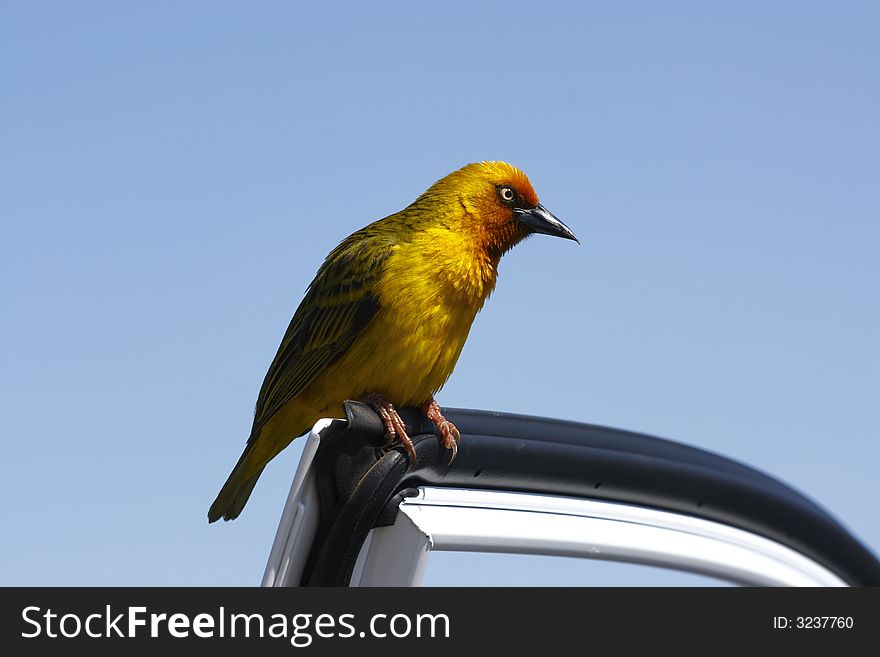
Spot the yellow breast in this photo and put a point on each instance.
(430, 291)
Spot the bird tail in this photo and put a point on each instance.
(237, 489)
(262, 446)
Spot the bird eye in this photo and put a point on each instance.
(507, 194)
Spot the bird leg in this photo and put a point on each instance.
(395, 430)
(449, 434)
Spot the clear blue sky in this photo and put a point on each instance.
(173, 174)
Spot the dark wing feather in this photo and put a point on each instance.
(337, 307)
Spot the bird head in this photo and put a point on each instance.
(496, 204)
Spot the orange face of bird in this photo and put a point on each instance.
(498, 205)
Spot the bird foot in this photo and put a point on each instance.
(395, 430)
(450, 436)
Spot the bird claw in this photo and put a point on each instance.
(450, 436)
(395, 429)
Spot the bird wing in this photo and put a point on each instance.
(337, 307)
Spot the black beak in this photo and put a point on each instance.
(540, 220)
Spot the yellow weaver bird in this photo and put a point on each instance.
(388, 313)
